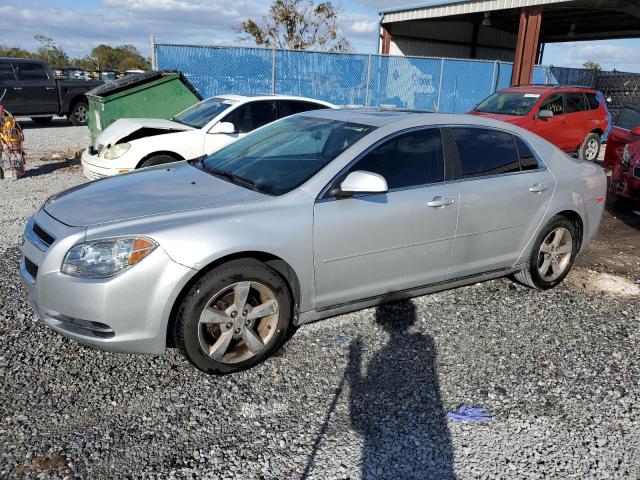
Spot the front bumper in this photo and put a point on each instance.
(127, 313)
(626, 182)
(94, 167)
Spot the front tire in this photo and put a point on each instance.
(79, 113)
(590, 148)
(552, 255)
(234, 317)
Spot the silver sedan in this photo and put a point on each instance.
(315, 215)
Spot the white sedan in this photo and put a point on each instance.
(202, 129)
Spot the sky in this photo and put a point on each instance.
(79, 25)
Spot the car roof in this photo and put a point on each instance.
(377, 117)
(20, 60)
(548, 88)
(267, 96)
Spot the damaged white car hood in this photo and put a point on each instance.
(124, 127)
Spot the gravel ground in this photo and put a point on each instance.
(363, 395)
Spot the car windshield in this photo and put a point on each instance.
(509, 103)
(203, 112)
(283, 155)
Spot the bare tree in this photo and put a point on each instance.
(299, 25)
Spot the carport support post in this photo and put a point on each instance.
(153, 53)
(526, 46)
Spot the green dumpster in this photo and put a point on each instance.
(148, 95)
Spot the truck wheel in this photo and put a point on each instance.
(590, 149)
(79, 113)
(41, 120)
(157, 160)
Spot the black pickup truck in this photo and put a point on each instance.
(28, 88)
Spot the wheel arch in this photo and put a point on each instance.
(599, 131)
(278, 264)
(74, 100)
(577, 220)
(169, 153)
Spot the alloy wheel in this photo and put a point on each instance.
(592, 149)
(238, 322)
(81, 113)
(555, 254)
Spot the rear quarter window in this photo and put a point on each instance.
(6, 72)
(592, 101)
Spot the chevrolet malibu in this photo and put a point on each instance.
(311, 216)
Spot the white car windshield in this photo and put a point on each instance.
(283, 155)
(203, 112)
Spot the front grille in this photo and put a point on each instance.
(42, 235)
(30, 267)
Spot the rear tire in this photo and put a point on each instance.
(79, 113)
(157, 160)
(552, 255)
(41, 120)
(590, 148)
(234, 317)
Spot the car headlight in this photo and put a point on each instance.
(116, 151)
(106, 258)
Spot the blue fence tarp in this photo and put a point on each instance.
(437, 84)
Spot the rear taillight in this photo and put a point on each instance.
(626, 156)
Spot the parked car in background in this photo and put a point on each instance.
(311, 216)
(623, 153)
(572, 118)
(29, 88)
(203, 128)
(72, 73)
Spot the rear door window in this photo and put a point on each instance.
(628, 119)
(291, 107)
(574, 102)
(485, 152)
(408, 160)
(555, 104)
(250, 116)
(31, 71)
(6, 72)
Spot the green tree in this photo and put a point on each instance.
(590, 65)
(123, 57)
(14, 52)
(50, 52)
(299, 25)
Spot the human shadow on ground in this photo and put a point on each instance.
(396, 405)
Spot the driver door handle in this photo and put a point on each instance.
(538, 188)
(440, 202)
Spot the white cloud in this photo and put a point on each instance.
(133, 21)
(609, 56)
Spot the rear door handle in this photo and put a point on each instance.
(17, 88)
(538, 188)
(440, 202)
(49, 88)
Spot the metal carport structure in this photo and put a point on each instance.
(507, 30)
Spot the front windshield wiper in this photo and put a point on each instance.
(235, 178)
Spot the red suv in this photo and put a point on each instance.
(623, 153)
(572, 118)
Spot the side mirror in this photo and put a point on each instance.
(636, 131)
(361, 182)
(223, 127)
(545, 114)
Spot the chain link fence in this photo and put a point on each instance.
(437, 84)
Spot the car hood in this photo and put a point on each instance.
(124, 127)
(512, 119)
(164, 189)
